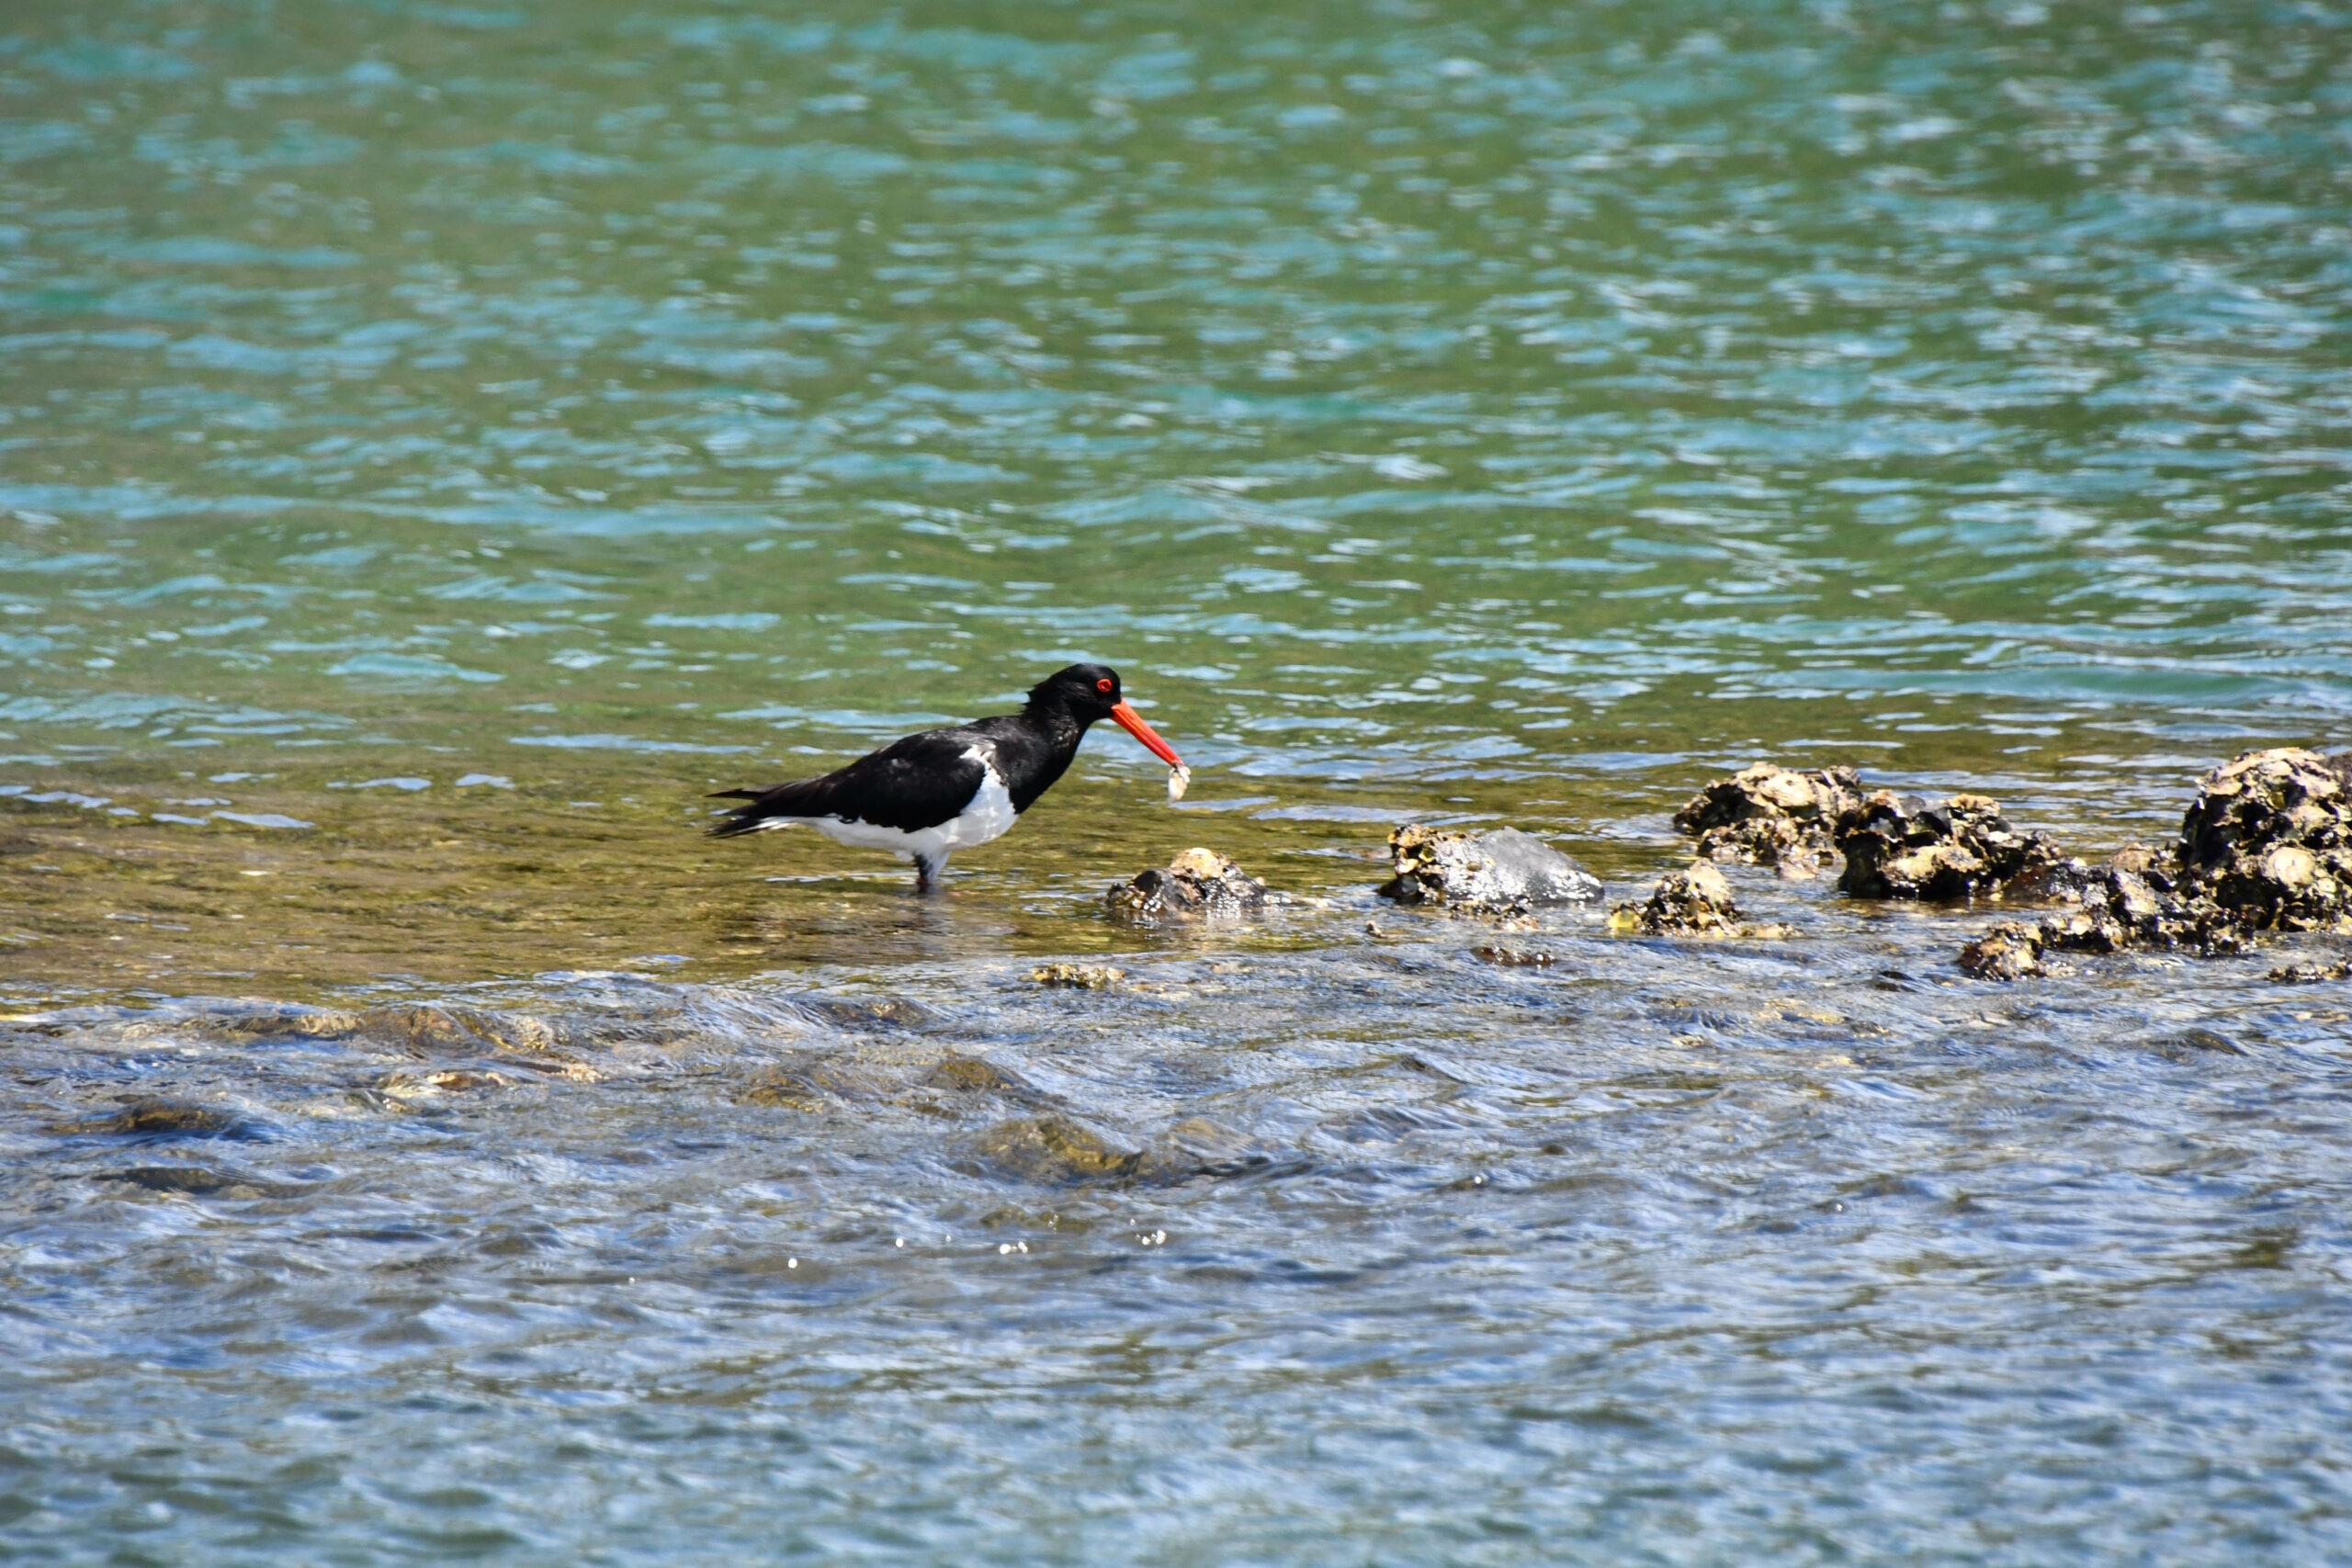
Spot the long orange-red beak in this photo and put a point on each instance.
(1132, 722)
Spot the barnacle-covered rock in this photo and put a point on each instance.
(1502, 871)
(1198, 884)
(1077, 977)
(2010, 951)
(1902, 847)
(1768, 814)
(2270, 839)
(1696, 902)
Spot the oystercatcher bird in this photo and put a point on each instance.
(929, 795)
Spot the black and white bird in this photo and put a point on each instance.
(929, 795)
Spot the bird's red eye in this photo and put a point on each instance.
(1105, 684)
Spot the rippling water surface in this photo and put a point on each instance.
(438, 442)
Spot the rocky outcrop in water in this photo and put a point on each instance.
(1501, 871)
(1768, 814)
(1902, 847)
(1695, 902)
(1198, 884)
(2266, 845)
(2270, 839)
(2010, 951)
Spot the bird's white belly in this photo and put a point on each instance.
(988, 815)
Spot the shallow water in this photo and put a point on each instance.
(437, 443)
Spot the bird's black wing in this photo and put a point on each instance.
(909, 785)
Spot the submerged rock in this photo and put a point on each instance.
(149, 1118)
(2312, 973)
(977, 1075)
(1077, 977)
(1514, 957)
(1902, 847)
(1696, 902)
(203, 1181)
(1768, 814)
(814, 1083)
(1055, 1151)
(1501, 871)
(1198, 884)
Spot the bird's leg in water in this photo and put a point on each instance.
(928, 870)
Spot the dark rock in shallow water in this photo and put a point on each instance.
(2312, 973)
(1055, 1151)
(199, 1181)
(1514, 957)
(1768, 814)
(148, 1119)
(1902, 847)
(2266, 845)
(977, 1075)
(1696, 902)
(1501, 871)
(2270, 839)
(1198, 884)
(2010, 951)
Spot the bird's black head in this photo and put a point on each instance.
(1085, 692)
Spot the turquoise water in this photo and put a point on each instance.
(437, 443)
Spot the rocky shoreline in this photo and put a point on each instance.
(2265, 846)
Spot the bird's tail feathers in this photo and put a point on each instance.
(765, 806)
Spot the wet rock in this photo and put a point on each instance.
(2066, 879)
(1768, 814)
(1902, 847)
(878, 1012)
(1055, 1151)
(169, 1119)
(2312, 973)
(199, 1181)
(2120, 910)
(1197, 1147)
(2160, 867)
(426, 1032)
(1514, 957)
(813, 1085)
(2266, 845)
(1501, 871)
(293, 1023)
(2010, 951)
(974, 1074)
(2190, 1043)
(2269, 839)
(1078, 977)
(1696, 902)
(448, 1080)
(1198, 884)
